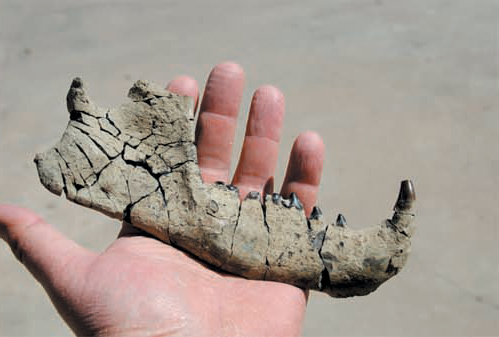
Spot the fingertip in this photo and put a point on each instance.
(37, 245)
(266, 113)
(186, 86)
(228, 68)
(309, 141)
(307, 157)
(12, 216)
(224, 89)
(270, 91)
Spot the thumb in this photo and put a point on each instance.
(44, 251)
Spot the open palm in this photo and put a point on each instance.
(139, 285)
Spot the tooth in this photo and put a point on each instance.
(403, 209)
(341, 221)
(316, 213)
(77, 83)
(317, 226)
(276, 197)
(406, 197)
(295, 201)
(253, 195)
(286, 203)
(231, 187)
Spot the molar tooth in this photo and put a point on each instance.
(406, 197)
(286, 203)
(341, 221)
(316, 213)
(231, 187)
(295, 201)
(276, 197)
(253, 195)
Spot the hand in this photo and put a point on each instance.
(140, 286)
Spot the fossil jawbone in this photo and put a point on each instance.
(138, 163)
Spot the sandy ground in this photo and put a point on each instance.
(398, 89)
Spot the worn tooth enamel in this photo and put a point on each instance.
(341, 221)
(231, 187)
(406, 197)
(295, 202)
(154, 182)
(286, 202)
(253, 195)
(316, 213)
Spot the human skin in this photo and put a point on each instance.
(141, 286)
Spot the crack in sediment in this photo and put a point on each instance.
(75, 184)
(233, 236)
(109, 133)
(109, 197)
(112, 123)
(324, 277)
(267, 264)
(97, 143)
(88, 159)
(65, 182)
(128, 208)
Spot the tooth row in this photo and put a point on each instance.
(294, 201)
(230, 187)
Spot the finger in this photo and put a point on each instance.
(44, 251)
(185, 86)
(217, 121)
(258, 158)
(304, 171)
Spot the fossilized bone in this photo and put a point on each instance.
(138, 163)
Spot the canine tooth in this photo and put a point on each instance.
(406, 197)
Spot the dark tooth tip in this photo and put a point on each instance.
(406, 197)
(77, 83)
(253, 195)
(231, 187)
(275, 197)
(341, 221)
(316, 213)
(295, 201)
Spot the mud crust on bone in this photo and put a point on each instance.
(138, 163)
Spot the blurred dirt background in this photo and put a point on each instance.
(398, 89)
